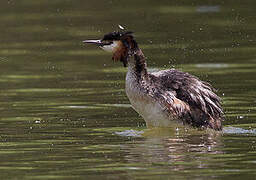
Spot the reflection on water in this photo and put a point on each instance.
(187, 153)
(173, 149)
(64, 112)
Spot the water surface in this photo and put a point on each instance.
(64, 112)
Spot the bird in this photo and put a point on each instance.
(165, 98)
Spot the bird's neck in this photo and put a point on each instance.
(137, 63)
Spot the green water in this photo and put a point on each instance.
(64, 112)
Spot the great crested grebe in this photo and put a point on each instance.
(166, 96)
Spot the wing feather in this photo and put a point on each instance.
(188, 88)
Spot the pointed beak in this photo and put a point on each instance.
(97, 42)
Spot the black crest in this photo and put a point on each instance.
(117, 35)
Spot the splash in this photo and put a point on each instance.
(130, 133)
(237, 130)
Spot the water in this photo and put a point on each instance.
(64, 112)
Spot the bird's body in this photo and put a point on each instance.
(167, 97)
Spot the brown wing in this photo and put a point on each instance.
(204, 104)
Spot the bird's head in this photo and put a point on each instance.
(121, 44)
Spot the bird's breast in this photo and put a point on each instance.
(151, 110)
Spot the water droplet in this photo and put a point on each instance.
(209, 148)
(37, 121)
(121, 27)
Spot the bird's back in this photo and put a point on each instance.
(202, 106)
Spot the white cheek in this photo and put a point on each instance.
(111, 47)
